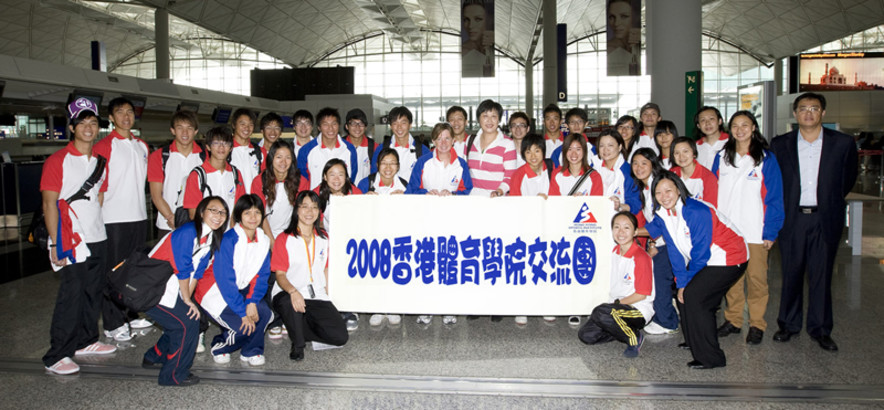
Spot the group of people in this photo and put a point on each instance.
(710, 212)
(692, 215)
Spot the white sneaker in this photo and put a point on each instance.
(394, 319)
(449, 319)
(353, 322)
(96, 349)
(285, 332)
(222, 358)
(574, 320)
(120, 334)
(655, 329)
(521, 320)
(64, 366)
(140, 324)
(200, 344)
(549, 318)
(275, 333)
(424, 319)
(376, 319)
(256, 360)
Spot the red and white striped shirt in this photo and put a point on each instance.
(493, 168)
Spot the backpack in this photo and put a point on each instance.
(167, 151)
(37, 232)
(373, 177)
(139, 281)
(256, 151)
(182, 215)
(418, 147)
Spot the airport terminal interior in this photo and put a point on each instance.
(287, 55)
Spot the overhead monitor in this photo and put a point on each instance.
(854, 71)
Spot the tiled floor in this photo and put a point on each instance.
(480, 364)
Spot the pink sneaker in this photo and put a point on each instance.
(64, 366)
(96, 348)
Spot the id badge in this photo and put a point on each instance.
(310, 289)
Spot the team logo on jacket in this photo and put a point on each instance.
(455, 181)
(584, 221)
(753, 175)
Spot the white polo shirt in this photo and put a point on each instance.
(124, 200)
(64, 172)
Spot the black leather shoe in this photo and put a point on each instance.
(826, 343)
(190, 380)
(684, 345)
(783, 335)
(147, 364)
(496, 318)
(695, 364)
(727, 328)
(297, 354)
(755, 336)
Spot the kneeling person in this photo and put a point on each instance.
(632, 289)
(300, 296)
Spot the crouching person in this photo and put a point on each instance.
(632, 292)
(189, 249)
(300, 296)
(231, 293)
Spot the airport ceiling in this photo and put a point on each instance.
(302, 32)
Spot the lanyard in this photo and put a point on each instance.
(311, 256)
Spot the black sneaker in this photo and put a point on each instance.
(755, 335)
(190, 380)
(727, 328)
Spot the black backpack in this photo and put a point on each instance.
(418, 146)
(256, 151)
(167, 150)
(374, 177)
(37, 232)
(139, 281)
(182, 215)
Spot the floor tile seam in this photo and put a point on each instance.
(495, 386)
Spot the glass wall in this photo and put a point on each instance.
(216, 64)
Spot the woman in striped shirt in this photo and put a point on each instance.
(491, 155)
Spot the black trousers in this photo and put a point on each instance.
(75, 318)
(804, 248)
(320, 323)
(122, 239)
(702, 297)
(612, 321)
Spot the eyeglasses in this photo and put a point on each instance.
(356, 124)
(519, 125)
(216, 212)
(221, 144)
(812, 108)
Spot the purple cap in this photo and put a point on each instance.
(79, 105)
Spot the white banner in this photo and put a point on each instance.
(421, 254)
